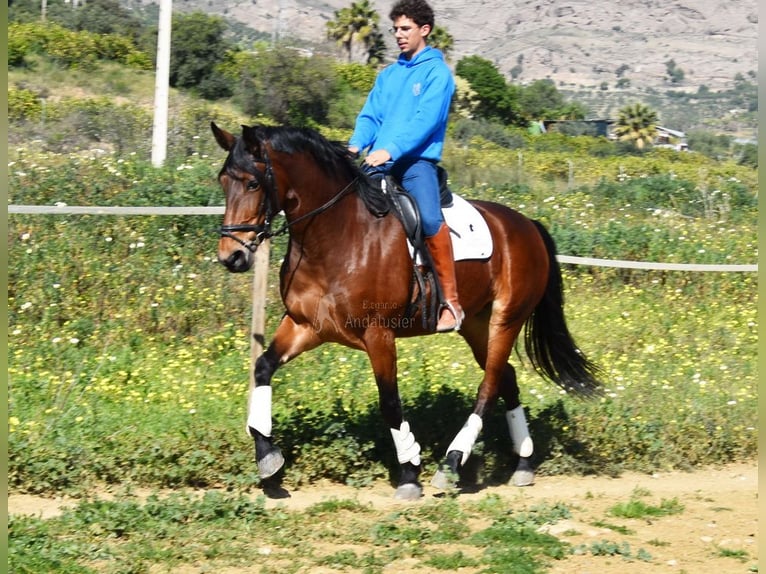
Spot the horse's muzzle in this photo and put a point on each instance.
(238, 261)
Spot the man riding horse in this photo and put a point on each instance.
(403, 123)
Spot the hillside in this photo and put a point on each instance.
(577, 43)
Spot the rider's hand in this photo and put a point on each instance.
(377, 157)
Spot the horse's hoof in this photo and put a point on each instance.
(444, 479)
(270, 464)
(523, 478)
(408, 491)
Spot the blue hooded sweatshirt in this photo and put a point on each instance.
(406, 110)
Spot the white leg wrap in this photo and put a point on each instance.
(407, 448)
(467, 436)
(259, 409)
(517, 425)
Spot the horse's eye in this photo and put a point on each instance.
(253, 184)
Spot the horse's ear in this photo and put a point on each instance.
(224, 138)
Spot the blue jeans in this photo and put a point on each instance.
(418, 177)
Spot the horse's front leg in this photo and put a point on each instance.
(381, 349)
(290, 340)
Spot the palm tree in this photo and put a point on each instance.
(636, 123)
(442, 40)
(357, 23)
(376, 47)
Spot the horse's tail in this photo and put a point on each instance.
(547, 340)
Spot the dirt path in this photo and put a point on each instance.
(715, 533)
(720, 517)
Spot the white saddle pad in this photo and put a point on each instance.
(470, 234)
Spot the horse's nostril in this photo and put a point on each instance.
(237, 262)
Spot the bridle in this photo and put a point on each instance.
(263, 231)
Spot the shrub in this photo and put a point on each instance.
(358, 76)
(287, 86)
(75, 123)
(23, 105)
(198, 46)
(749, 156)
(464, 130)
(23, 40)
(123, 50)
(71, 49)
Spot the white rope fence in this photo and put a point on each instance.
(62, 209)
(655, 266)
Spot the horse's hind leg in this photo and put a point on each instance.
(475, 331)
(524, 475)
(289, 341)
(499, 379)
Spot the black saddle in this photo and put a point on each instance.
(406, 208)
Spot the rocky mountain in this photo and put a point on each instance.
(576, 43)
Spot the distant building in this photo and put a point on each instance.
(672, 139)
(578, 127)
(665, 138)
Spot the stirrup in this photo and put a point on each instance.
(458, 318)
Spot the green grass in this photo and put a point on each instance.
(129, 534)
(230, 530)
(450, 562)
(128, 353)
(128, 364)
(740, 555)
(624, 530)
(638, 509)
(56, 82)
(610, 548)
(128, 343)
(128, 348)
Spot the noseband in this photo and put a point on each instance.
(262, 233)
(263, 230)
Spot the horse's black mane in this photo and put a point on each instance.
(332, 157)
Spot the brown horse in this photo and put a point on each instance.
(347, 278)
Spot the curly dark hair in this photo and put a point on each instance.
(416, 10)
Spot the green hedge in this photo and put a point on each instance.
(69, 48)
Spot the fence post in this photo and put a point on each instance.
(258, 318)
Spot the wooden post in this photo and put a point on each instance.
(258, 320)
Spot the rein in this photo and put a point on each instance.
(263, 231)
